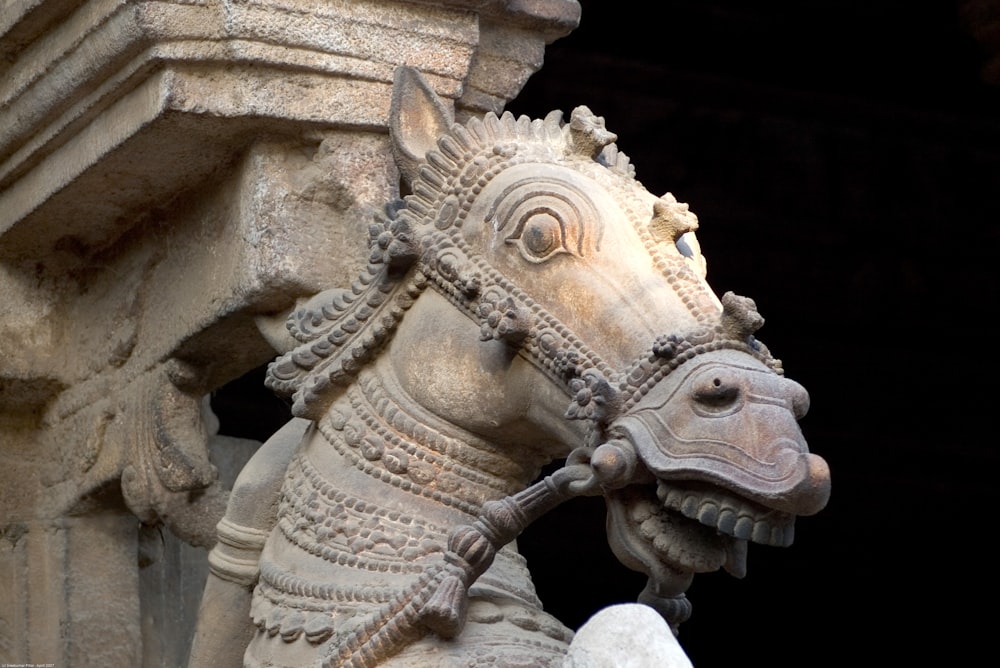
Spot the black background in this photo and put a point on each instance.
(844, 161)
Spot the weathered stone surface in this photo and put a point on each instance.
(171, 174)
(122, 105)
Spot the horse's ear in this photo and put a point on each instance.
(417, 118)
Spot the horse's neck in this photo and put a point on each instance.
(410, 456)
(375, 491)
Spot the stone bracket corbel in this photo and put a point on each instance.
(167, 476)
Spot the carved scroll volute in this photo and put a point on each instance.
(166, 442)
(416, 120)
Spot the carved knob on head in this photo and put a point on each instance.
(671, 219)
(589, 136)
(740, 318)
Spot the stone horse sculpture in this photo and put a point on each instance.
(527, 270)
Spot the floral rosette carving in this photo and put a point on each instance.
(469, 283)
(666, 346)
(501, 318)
(593, 397)
(567, 363)
(391, 239)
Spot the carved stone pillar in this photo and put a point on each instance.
(173, 172)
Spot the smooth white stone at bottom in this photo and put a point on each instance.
(626, 636)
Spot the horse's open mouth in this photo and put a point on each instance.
(729, 514)
(678, 528)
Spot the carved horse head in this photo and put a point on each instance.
(528, 271)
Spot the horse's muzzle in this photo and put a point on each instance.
(725, 419)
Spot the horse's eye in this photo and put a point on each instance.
(546, 217)
(539, 236)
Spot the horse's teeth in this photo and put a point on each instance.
(663, 492)
(641, 512)
(674, 498)
(786, 536)
(762, 533)
(650, 528)
(730, 515)
(736, 558)
(708, 514)
(744, 528)
(727, 520)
